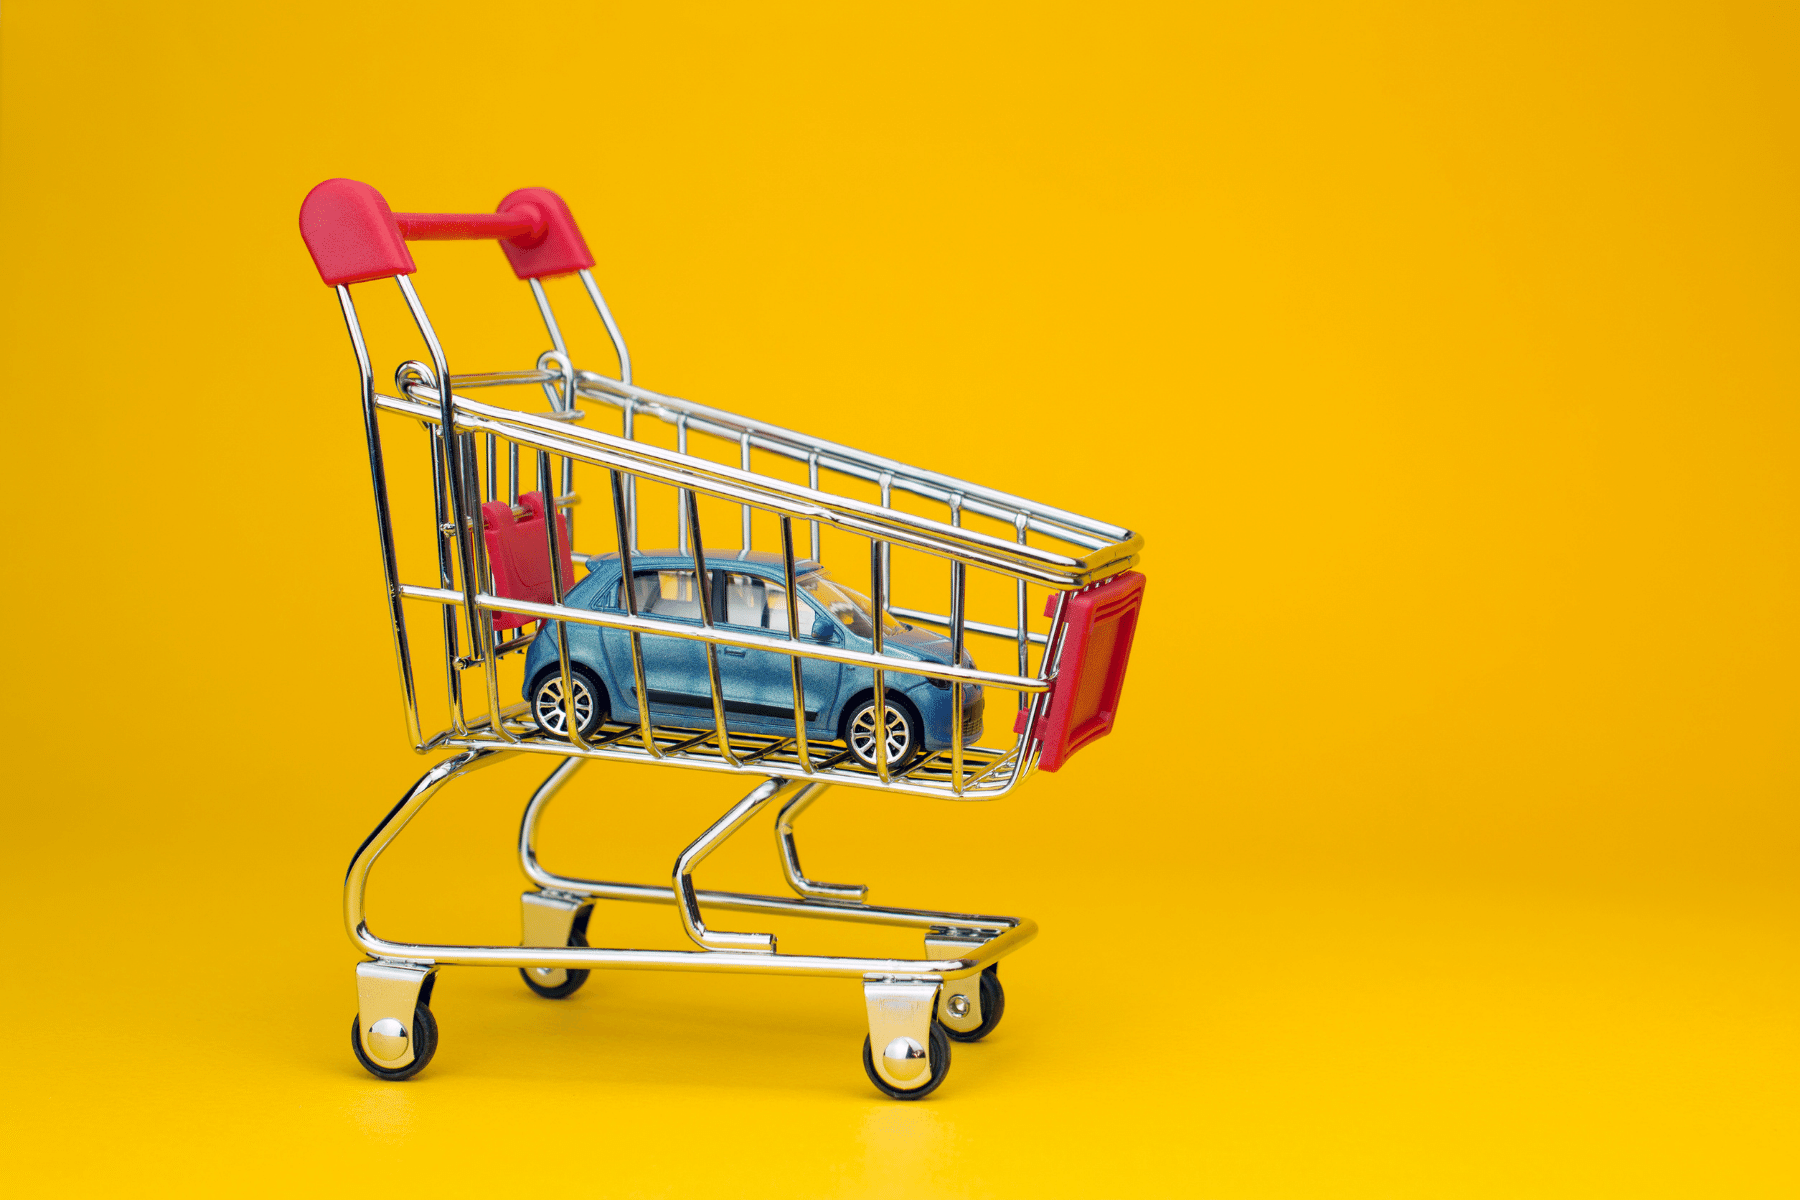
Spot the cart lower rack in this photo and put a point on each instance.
(756, 660)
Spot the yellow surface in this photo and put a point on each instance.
(1444, 353)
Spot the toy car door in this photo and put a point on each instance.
(759, 686)
(674, 668)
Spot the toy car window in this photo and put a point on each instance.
(752, 601)
(746, 601)
(667, 594)
(775, 618)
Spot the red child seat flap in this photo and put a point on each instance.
(519, 557)
(1084, 697)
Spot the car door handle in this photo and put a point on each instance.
(734, 651)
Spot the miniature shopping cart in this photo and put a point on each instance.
(750, 660)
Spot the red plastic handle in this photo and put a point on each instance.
(354, 237)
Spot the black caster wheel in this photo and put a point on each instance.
(572, 980)
(424, 1040)
(993, 1007)
(939, 1057)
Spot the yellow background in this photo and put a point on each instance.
(1445, 354)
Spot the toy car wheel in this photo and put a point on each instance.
(938, 1052)
(557, 983)
(993, 1006)
(902, 733)
(547, 702)
(424, 1038)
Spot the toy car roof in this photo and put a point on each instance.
(762, 562)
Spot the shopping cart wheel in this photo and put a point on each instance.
(993, 1005)
(938, 1050)
(425, 1037)
(572, 980)
(903, 730)
(547, 701)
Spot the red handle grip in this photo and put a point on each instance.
(446, 227)
(353, 236)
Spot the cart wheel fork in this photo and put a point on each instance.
(386, 995)
(900, 1034)
(959, 1004)
(548, 918)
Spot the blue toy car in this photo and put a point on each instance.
(749, 594)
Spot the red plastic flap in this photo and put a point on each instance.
(351, 234)
(558, 250)
(1084, 698)
(519, 558)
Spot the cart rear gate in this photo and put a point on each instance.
(750, 658)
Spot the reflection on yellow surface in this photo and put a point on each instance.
(382, 1114)
(906, 1148)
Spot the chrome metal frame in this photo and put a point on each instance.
(1009, 933)
(1042, 547)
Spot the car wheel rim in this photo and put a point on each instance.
(551, 714)
(862, 734)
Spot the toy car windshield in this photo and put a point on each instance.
(845, 603)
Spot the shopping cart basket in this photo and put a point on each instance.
(754, 662)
